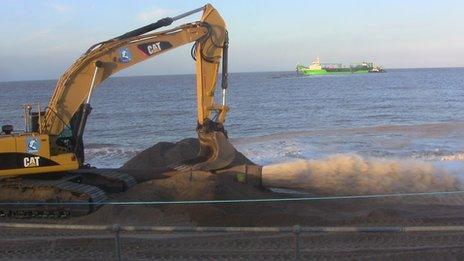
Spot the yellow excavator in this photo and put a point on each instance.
(44, 167)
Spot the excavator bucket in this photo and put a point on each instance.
(216, 150)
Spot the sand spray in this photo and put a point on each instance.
(352, 174)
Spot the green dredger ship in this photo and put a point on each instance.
(317, 68)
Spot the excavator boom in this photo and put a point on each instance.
(68, 109)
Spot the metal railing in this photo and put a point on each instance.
(295, 230)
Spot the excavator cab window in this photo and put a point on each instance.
(7, 129)
(65, 138)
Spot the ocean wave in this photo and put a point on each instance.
(271, 152)
(111, 156)
(108, 151)
(453, 157)
(100, 145)
(414, 130)
(438, 155)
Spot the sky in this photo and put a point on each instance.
(41, 38)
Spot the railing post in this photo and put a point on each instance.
(117, 239)
(296, 233)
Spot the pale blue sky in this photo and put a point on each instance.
(40, 39)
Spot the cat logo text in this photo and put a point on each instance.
(31, 162)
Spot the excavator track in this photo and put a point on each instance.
(109, 180)
(30, 198)
(77, 193)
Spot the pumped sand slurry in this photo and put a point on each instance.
(157, 181)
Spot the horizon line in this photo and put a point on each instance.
(243, 72)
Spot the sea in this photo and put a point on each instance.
(274, 117)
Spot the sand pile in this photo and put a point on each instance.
(156, 161)
(164, 154)
(158, 182)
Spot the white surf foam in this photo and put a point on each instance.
(109, 155)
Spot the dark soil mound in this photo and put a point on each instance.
(159, 183)
(156, 161)
(164, 154)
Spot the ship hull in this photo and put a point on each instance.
(326, 72)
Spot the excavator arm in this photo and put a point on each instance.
(70, 104)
